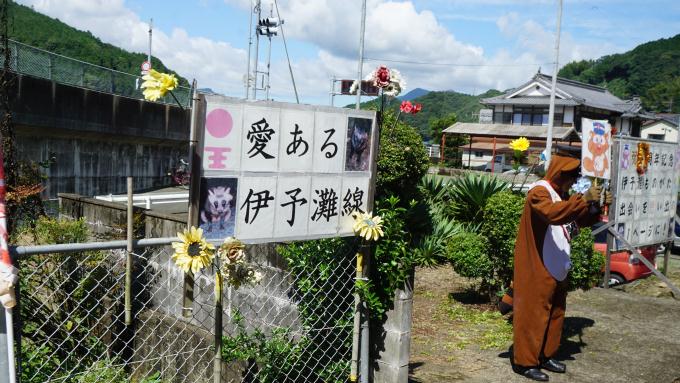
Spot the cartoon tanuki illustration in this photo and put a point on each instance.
(598, 144)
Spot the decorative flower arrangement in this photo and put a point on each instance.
(519, 146)
(390, 81)
(157, 84)
(193, 253)
(644, 156)
(411, 108)
(368, 226)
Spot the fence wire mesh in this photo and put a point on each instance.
(291, 327)
(36, 62)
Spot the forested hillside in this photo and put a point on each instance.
(32, 28)
(437, 105)
(651, 71)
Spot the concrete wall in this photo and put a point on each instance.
(96, 139)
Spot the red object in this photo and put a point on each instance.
(406, 107)
(493, 155)
(626, 268)
(4, 237)
(381, 77)
(416, 108)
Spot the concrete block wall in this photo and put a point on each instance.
(393, 339)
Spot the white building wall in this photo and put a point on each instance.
(660, 128)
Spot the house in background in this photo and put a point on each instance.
(665, 128)
(523, 112)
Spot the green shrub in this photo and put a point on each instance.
(467, 253)
(470, 193)
(586, 263)
(501, 222)
(402, 160)
(103, 371)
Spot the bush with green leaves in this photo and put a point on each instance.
(501, 213)
(468, 254)
(469, 194)
(402, 160)
(586, 263)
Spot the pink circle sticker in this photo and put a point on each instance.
(219, 123)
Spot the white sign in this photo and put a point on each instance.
(646, 199)
(485, 116)
(277, 171)
(596, 148)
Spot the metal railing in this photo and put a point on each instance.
(40, 63)
(287, 328)
(148, 200)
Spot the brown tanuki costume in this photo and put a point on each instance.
(539, 299)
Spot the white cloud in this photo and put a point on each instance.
(394, 31)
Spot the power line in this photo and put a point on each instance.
(459, 65)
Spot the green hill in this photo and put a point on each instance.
(437, 105)
(650, 70)
(32, 28)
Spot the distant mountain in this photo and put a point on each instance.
(35, 29)
(415, 93)
(437, 105)
(650, 70)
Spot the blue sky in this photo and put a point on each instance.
(464, 45)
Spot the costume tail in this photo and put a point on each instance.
(505, 305)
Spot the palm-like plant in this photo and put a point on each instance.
(470, 192)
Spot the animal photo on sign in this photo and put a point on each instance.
(358, 153)
(217, 207)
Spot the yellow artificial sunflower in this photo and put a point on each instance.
(521, 144)
(193, 252)
(157, 84)
(368, 226)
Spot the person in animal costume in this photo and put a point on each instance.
(542, 262)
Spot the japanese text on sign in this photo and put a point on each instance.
(283, 171)
(646, 196)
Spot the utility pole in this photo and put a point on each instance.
(258, 9)
(148, 57)
(250, 44)
(361, 52)
(551, 110)
(269, 54)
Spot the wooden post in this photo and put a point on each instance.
(493, 157)
(666, 257)
(128, 258)
(443, 149)
(613, 182)
(197, 108)
(217, 357)
(470, 154)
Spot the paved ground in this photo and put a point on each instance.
(614, 335)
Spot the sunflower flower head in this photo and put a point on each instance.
(368, 226)
(521, 144)
(157, 84)
(192, 252)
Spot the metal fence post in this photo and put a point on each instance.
(666, 257)
(217, 358)
(128, 260)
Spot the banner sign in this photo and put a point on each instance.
(646, 190)
(596, 146)
(276, 171)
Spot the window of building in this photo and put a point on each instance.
(502, 117)
(530, 116)
(656, 136)
(479, 154)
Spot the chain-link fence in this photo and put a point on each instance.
(36, 62)
(294, 326)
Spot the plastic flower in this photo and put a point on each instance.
(396, 85)
(416, 108)
(406, 107)
(232, 251)
(381, 77)
(368, 226)
(157, 84)
(521, 144)
(193, 253)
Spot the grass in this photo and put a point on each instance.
(484, 328)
